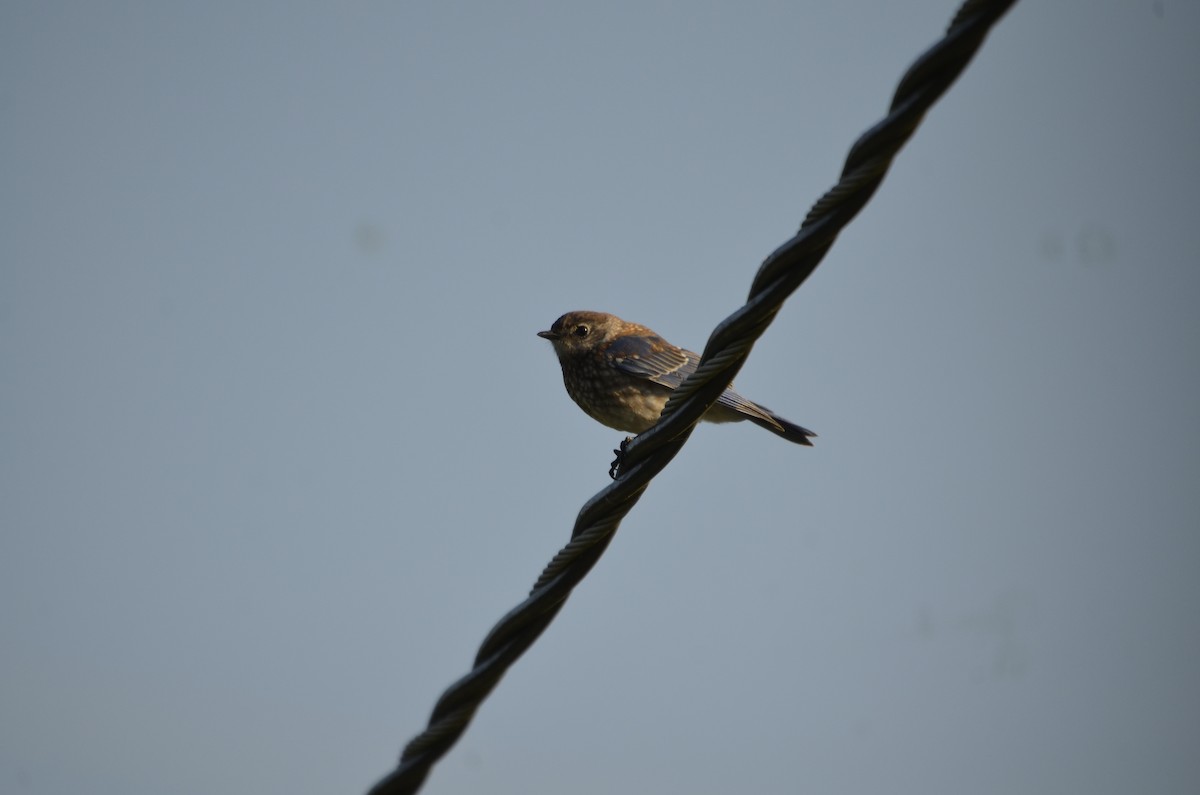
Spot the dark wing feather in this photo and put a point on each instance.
(651, 357)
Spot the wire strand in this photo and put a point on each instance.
(730, 343)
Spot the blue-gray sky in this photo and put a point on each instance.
(278, 444)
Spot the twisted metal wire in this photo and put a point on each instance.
(778, 277)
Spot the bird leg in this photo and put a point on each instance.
(615, 469)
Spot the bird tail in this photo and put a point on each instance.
(781, 427)
(731, 407)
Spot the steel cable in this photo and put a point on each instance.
(728, 346)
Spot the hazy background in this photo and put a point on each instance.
(278, 444)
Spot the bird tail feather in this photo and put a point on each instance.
(780, 427)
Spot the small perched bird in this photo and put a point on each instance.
(622, 373)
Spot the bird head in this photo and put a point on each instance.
(578, 332)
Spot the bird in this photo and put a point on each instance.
(621, 374)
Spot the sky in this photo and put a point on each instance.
(279, 445)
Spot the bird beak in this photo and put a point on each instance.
(549, 335)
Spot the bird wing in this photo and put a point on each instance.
(651, 357)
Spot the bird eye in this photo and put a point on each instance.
(581, 330)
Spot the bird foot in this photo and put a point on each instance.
(615, 469)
